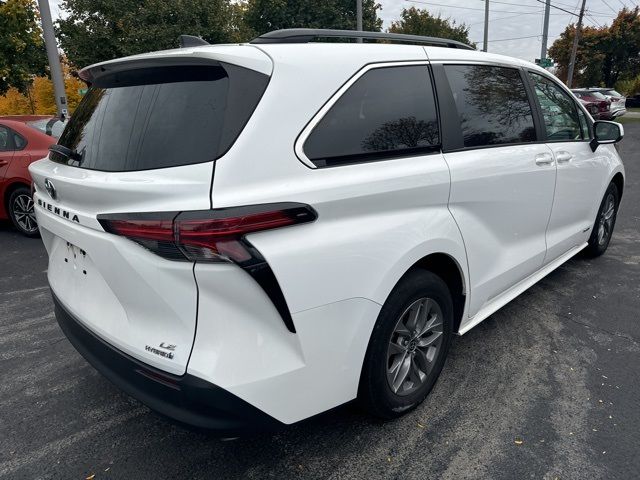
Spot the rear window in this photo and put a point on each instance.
(597, 95)
(161, 117)
(613, 93)
(52, 127)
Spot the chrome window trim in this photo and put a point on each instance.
(306, 131)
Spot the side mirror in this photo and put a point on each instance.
(605, 132)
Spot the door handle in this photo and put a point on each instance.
(563, 157)
(4, 162)
(544, 159)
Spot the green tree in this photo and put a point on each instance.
(265, 15)
(96, 30)
(605, 55)
(416, 21)
(22, 54)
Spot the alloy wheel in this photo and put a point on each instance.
(24, 213)
(605, 222)
(414, 346)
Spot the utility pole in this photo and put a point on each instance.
(574, 49)
(545, 31)
(359, 18)
(54, 58)
(486, 25)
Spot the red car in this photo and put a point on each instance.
(20, 144)
(598, 105)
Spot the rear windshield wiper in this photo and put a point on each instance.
(66, 152)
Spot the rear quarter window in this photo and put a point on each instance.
(161, 117)
(387, 112)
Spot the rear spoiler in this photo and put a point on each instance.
(245, 56)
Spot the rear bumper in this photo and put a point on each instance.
(186, 399)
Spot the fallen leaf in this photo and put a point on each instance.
(420, 425)
(90, 477)
(518, 441)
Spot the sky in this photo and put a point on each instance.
(512, 19)
(515, 26)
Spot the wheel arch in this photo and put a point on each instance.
(450, 271)
(450, 268)
(9, 189)
(618, 181)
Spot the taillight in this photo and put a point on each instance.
(215, 236)
(206, 235)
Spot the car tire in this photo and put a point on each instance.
(21, 212)
(395, 344)
(602, 229)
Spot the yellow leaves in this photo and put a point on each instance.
(517, 441)
(41, 100)
(14, 103)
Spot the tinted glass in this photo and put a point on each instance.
(492, 105)
(597, 95)
(559, 110)
(4, 139)
(613, 93)
(386, 112)
(161, 117)
(584, 124)
(19, 141)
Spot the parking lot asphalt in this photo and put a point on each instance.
(546, 388)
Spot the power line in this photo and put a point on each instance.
(507, 39)
(555, 6)
(463, 8)
(514, 4)
(610, 7)
(504, 18)
(592, 20)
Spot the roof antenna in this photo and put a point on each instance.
(187, 41)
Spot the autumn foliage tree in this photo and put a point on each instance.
(605, 55)
(22, 54)
(39, 98)
(265, 15)
(415, 21)
(92, 31)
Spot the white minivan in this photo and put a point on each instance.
(243, 236)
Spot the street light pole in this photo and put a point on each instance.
(574, 49)
(486, 25)
(359, 18)
(545, 30)
(54, 58)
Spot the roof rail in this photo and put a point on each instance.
(187, 41)
(306, 35)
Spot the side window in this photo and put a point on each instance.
(5, 142)
(492, 104)
(559, 110)
(584, 125)
(387, 112)
(19, 141)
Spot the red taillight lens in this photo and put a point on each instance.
(212, 238)
(160, 230)
(210, 235)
